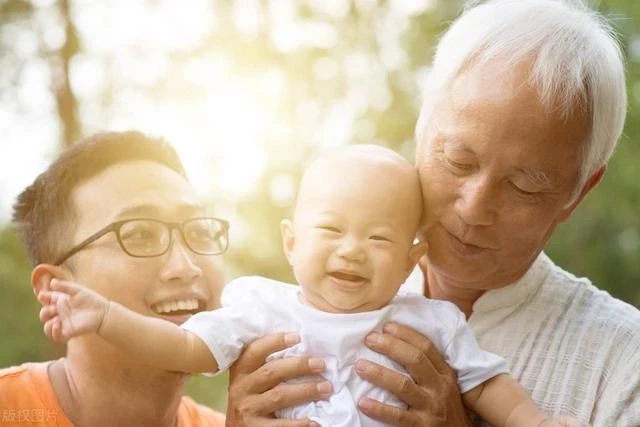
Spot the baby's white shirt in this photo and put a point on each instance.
(256, 306)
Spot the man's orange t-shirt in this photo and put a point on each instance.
(27, 399)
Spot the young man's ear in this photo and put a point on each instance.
(43, 273)
(288, 239)
(415, 253)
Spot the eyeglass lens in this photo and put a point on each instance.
(149, 238)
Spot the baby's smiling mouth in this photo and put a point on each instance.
(346, 276)
(347, 280)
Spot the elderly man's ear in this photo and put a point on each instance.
(43, 273)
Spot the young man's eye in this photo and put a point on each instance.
(201, 233)
(140, 235)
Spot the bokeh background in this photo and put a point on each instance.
(247, 91)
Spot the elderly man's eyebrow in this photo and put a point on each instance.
(454, 142)
(536, 175)
(150, 210)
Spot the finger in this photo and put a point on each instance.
(51, 297)
(403, 387)
(286, 395)
(44, 297)
(54, 329)
(421, 366)
(48, 328)
(414, 338)
(48, 312)
(256, 353)
(66, 331)
(292, 423)
(387, 413)
(278, 371)
(65, 286)
(57, 330)
(287, 423)
(62, 331)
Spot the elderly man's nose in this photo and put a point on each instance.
(477, 201)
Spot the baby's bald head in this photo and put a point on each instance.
(378, 177)
(352, 239)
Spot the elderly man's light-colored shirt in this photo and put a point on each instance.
(574, 347)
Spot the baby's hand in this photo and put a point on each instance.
(563, 422)
(69, 310)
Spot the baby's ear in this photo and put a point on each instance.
(416, 251)
(288, 239)
(43, 273)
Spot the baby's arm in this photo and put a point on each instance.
(70, 310)
(501, 401)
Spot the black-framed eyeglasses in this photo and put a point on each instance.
(145, 237)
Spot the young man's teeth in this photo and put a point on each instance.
(169, 306)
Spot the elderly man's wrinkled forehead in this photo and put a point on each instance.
(501, 80)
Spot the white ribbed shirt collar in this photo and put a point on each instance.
(509, 296)
(519, 291)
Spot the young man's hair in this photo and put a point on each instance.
(43, 212)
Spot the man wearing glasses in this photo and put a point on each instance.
(116, 213)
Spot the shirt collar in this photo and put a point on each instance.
(517, 292)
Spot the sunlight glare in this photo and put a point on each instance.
(237, 124)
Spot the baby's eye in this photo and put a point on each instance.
(380, 238)
(329, 228)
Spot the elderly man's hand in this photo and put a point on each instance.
(433, 395)
(258, 389)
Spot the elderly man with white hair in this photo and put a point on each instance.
(521, 113)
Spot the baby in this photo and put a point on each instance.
(351, 243)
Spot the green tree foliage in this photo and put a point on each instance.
(20, 330)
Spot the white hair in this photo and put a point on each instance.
(577, 63)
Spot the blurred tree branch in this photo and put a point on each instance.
(65, 98)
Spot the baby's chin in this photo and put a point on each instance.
(339, 305)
